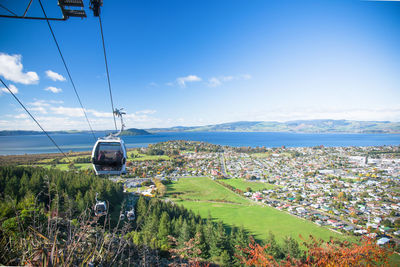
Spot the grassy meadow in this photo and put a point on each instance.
(204, 196)
(64, 166)
(203, 189)
(243, 185)
(136, 156)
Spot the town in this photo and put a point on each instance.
(354, 190)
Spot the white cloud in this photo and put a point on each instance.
(39, 106)
(39, 103)
(227, 78)
(190, 78)
(153, 84)
(66, 111)
(12, 88)
(39, 109)
(214, 82)
(21, 116)
(11, 69)
(54, 76)
(289, 114)
(217, 81)
(245, 76)
(77, 112)
(99, 114)
(56, 101)
(146, 111)
(53, 89)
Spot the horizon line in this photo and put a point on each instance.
(381, 121)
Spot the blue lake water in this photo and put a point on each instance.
(32, 144)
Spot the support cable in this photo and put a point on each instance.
(33, 118)
(108, 75)
(27, 8)
(66, 68)
(8, 10)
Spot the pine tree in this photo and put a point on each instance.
(291, 247)
(184, 236)
(239, 239)
(218, 241)
(178, 226)
(141, 211)
(273, 247)
(200, 242)
(225, 258)
(163, 231)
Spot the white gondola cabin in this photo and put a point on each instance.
(109, 153)
(100, 208)
(109, 156)
(131, 215)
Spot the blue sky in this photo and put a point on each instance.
(204, 62)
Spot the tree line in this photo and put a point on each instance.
(74, 191)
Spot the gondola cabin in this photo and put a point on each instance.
(109, 156)
(131, 215)
(100, 209)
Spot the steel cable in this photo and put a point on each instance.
(108, 75)
(69, 74)
(33, 118)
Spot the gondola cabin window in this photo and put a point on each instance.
(109, 153)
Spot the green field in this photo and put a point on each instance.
(243, 184)
(64, 167)
(203, 189)
(78, 166)
(143, 157)
(202, 195)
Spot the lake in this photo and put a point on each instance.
(33, 144)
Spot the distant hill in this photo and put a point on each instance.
(128, 132)
(299, 126)
(134, 132)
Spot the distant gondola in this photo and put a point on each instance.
(100, 208)
(131, 215)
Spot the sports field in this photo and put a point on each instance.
(202, 189)
(204, 196)
(243, 185)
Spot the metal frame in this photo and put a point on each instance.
(63, 4)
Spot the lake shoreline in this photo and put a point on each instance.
(40, 144)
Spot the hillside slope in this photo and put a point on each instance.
(299, 126)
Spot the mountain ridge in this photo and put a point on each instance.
(295, 126)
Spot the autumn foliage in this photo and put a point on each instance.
(321, 253)
(256, 255)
